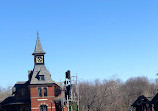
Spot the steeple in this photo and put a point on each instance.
(38, 47)
(40, 74)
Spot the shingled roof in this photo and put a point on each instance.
(38, 47)
(40, 70)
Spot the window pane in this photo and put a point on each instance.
(39, 92)
(41, 77)
(23, 93)
(56, 91)
(43, 108)
(45, 91)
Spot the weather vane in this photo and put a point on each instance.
(37, 33)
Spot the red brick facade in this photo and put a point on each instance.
(39, 93)
(48, 100)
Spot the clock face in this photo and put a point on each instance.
(39, 59)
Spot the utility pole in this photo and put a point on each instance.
(71, 90)
(67, 103)
(77, 93)
(71, 100)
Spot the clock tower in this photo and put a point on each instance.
(39, 92)
(40, 74)
(38, 53)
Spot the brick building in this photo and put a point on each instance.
(39, 92)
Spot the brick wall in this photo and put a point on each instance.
(30, 93)
(36, 101)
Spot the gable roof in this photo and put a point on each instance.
(8, 100)
(19, 85)
(140, 100)
(155, 99)
(41, 70)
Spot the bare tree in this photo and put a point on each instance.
(5, 92)
(133, 88)
(97, 96)
(114, 95)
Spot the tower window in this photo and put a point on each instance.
(39, 92)
(45, 91)
(41, 77)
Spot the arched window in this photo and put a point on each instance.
(43, 108)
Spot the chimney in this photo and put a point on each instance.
(29, 74)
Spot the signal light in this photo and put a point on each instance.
(68, 74)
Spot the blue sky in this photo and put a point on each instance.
(93, 38)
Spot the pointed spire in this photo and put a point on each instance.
(38, 47)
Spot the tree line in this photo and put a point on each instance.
(5, 92)
(108, 95)
(114, 95)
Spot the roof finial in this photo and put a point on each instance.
(37, 33)
(38, 46)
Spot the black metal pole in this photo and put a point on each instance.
(51, 104)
